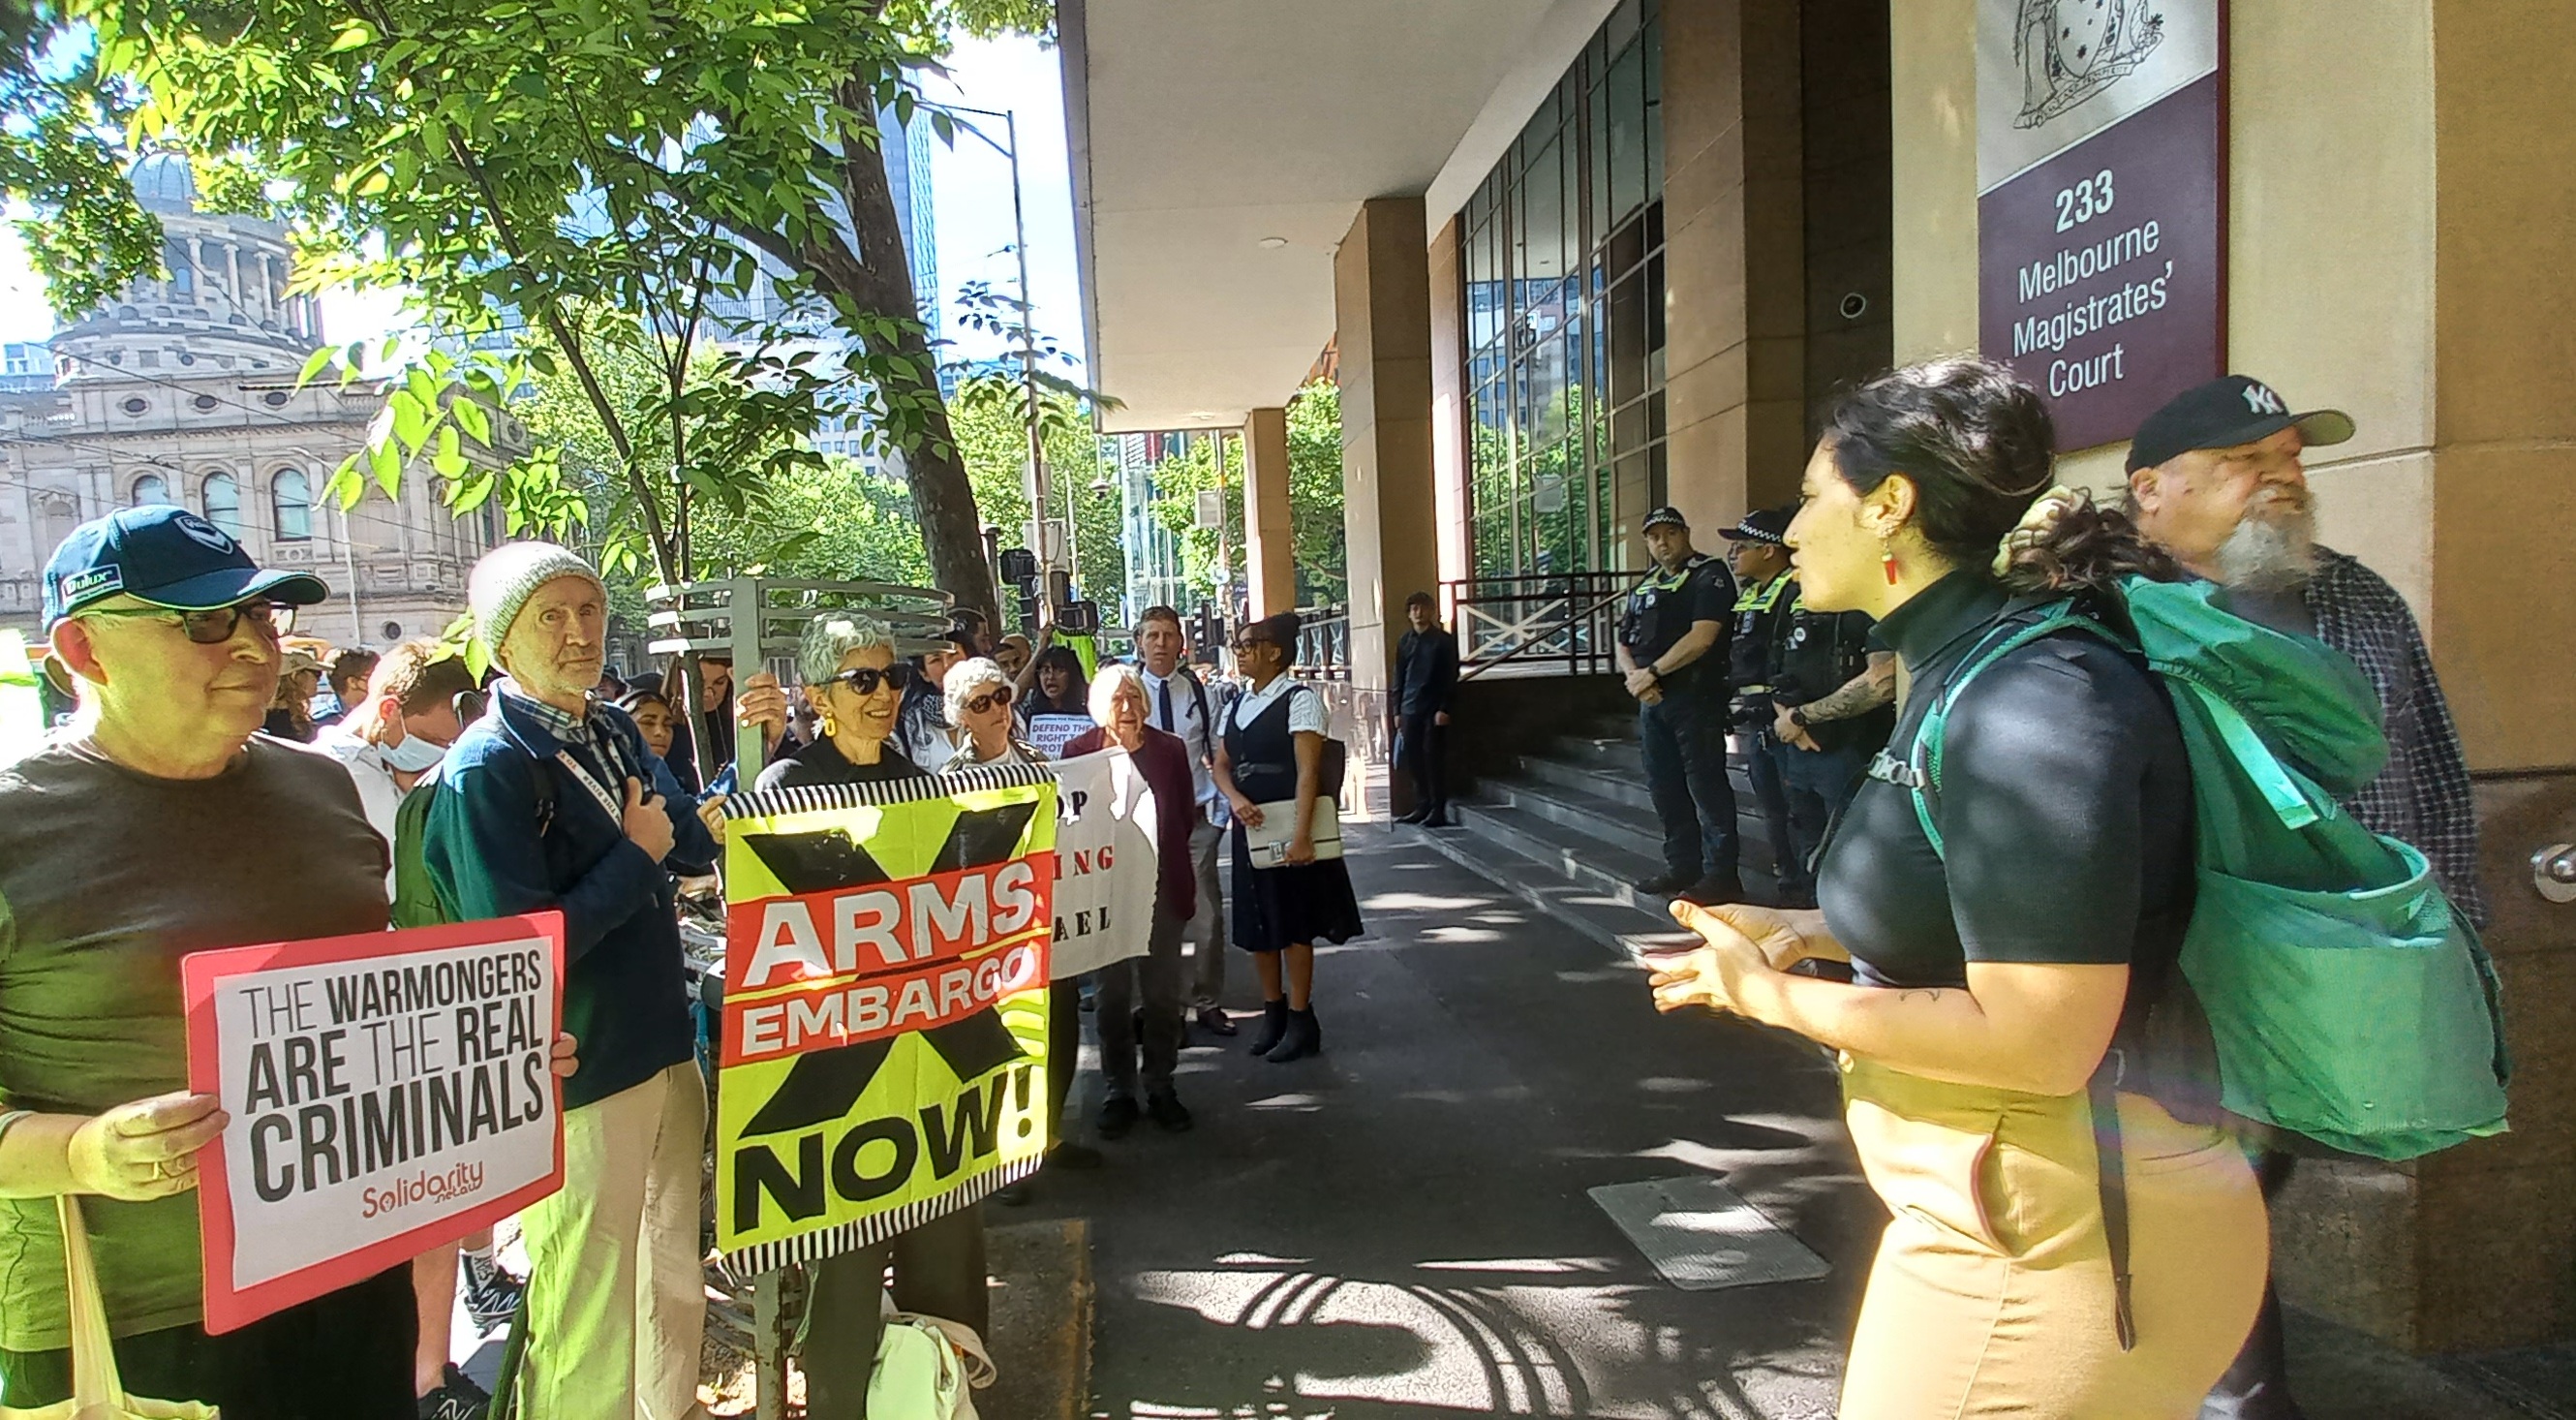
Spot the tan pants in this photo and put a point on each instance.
(617, 1302)
(1991, 1294)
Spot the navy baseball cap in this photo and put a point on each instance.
(1768, 526)
(166, 557)
(2228, 411)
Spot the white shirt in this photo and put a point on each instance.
(1185, 722)
(377, 792)
(1306, 713)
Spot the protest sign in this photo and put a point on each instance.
(884, 1022)
(390, 1092)
(1049, 734)
(1105, 862)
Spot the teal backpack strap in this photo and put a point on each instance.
(2261, 767)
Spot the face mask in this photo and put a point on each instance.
(415, 755)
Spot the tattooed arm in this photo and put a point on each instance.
(1873, 687)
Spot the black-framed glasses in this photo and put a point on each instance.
(998, 695)
(213, 628)
(864, 680)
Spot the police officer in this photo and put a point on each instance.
(1673, 651)
(1834, 704)
(1760, 556)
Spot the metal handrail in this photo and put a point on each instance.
(1577, 619)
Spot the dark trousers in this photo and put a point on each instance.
(1814, 784)
(2257, 1383)
(938, 1271)
(1683, 738)
(342, 1356)
(1154, 980)
(1064, 1049)
(1423, 745)
(1788, 865)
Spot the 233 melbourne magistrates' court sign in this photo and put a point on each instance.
(2100, 240)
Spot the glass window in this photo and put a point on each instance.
(223, 503)
(183, 272)
(151, 488)
(292, 494)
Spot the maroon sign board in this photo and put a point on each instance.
(2101, 214)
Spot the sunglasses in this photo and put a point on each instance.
(865, 679)
(999, 695)
(214, 628)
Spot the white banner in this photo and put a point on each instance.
(1105, 863)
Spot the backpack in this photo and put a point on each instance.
(2348, 1002)
(416, 900)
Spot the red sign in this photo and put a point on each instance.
(389, 1093)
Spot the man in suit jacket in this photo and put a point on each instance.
(1426, 675)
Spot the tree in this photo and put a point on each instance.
(1315, 494)
(537, 162)
(59, 153)
(1178, 481)
(992, 437)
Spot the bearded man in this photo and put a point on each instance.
(2215, 479)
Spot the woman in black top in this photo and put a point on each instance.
(1991, 976)
(856, 684)
(1272, 752)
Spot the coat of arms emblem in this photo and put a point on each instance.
(2070, 50)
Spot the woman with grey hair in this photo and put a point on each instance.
(978, 693)
(856, 685)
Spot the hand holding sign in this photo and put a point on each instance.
(146, 1149)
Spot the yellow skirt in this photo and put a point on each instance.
(1991, 1294)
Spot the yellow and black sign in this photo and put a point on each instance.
(884, 1023)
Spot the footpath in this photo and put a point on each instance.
(1402, 1228)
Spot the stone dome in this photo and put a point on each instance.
(163, 183)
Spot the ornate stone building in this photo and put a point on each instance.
(184, 391)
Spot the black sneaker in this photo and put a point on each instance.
(1117, 1117)
(1665, 884)
(1713, 890)
(457, 1398)
(1072, 1156)
(491, 1294)
(1167, 1113)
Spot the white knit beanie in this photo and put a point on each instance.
(508, 575)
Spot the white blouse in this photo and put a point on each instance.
(1306, 713)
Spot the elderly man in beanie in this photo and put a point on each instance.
(551, 801)
(152, 831)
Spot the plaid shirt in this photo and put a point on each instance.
(584, 735)
(2422, 797)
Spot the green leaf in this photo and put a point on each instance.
(387, 463)
(450, 459)
(353, 34)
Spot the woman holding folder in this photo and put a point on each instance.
(1287, 896)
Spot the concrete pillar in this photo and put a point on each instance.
(1269, 547)
(1381, 298)
(1734, 262)
(1449, 409)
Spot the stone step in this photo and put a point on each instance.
(1626, 789)
(1598, 817)
(1611, 922)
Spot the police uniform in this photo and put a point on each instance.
(1759, 608)
(1683, 734)
(1813, 654)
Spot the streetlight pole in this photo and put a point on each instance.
(1035, 480)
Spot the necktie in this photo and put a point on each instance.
(1163, 704)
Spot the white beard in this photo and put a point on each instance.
(2270, 551)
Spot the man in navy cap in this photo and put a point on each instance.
(1672, 649)
(154, 829)
(2216, 479)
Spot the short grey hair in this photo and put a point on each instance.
(1106, 685)
(831, 636)
(964, 677)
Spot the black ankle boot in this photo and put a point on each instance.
(1274, 1026)
(1304, 1038)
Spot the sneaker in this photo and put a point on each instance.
(1417, 816)
(1215, 1021)
(491, 1294)
(1664, 884)
(1167, 1113)
(1078, 1157)
(1117, 1117)
(457, 1398)
(1712, 890)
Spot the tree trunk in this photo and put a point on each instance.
(942, 499)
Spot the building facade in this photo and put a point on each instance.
(185, 391)
(1579, 258)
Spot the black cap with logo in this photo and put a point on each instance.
(1666, 516)
(2224, 413)
(1768, 526)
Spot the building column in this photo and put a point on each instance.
(1269, 548)
(1381, 299)
(1734, 262)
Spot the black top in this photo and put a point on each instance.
(1263, 755)
(1662, 610)
(1426, 670)
(2065, 804)
(822, 763)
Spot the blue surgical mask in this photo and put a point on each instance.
(415, 755)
